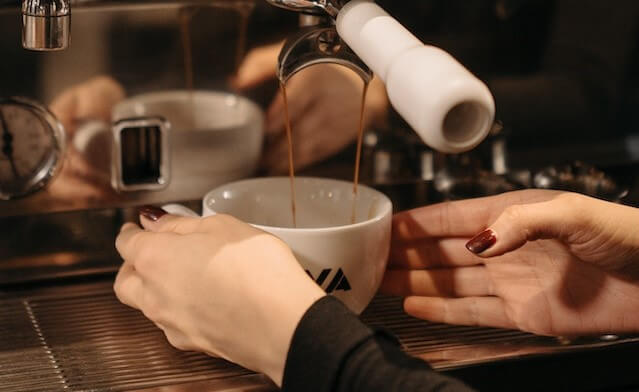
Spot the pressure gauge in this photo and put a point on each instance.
(31, 147)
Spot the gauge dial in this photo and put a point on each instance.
(31, 147)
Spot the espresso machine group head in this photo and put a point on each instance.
(314, 7)
(317, 41)
(449, 108)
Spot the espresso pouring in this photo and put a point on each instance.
(291, 165)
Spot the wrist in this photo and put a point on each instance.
(284, 321)
(611, 238)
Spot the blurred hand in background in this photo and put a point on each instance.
(90, 100)
(324, 104)
(77, 107)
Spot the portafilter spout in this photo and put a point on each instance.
(316, 45)
(46, 24)
(316, 7)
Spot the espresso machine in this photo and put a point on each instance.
(64, 196)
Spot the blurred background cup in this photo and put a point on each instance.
(214, 138)
(346, 259)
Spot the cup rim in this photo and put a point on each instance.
(179, 94)
(386, 210)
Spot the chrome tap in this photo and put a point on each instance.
(46, 24)
(315, 44)
(320, 7)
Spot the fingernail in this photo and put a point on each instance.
(482, 242)
(152, 213)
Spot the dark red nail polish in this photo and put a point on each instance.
(482, 242)
(152, 213)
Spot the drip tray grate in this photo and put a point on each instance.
(83, 339)
(92, 343)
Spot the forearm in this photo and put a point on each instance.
(333, 351)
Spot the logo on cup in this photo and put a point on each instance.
(339, 281)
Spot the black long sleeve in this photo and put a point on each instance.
(333, 351)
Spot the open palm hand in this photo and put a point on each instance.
(562, 277)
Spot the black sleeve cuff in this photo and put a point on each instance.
(325, 336)
(333, 351)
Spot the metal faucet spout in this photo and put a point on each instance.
(46, 24)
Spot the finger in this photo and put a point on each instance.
(220, 224)
(432, 253)
(464, 218)
(310, 143)
(157, 220)
(78, 166)
(178, 340)
(128, 286)
(275, 157)
(276, 116)
(563, 217)
(64, 108)
(133, 240)
(472, 311)
(445, 282)
(127, 232)
(97, 97)
(258, 66)
(75, 190)
(299, 100)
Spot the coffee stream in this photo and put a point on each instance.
(185, 16)
(291, 166)
(245, 12)
(358, 155)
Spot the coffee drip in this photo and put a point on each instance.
(185, 17)
(358, 154)
(291, 163)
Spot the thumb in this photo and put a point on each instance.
(563, 218)
(64, 107)
(160, 221)
(258, 66)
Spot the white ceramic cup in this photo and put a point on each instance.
(215, 137)
(346, 259)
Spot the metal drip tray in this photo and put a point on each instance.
(80, 338)
(88, 341)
